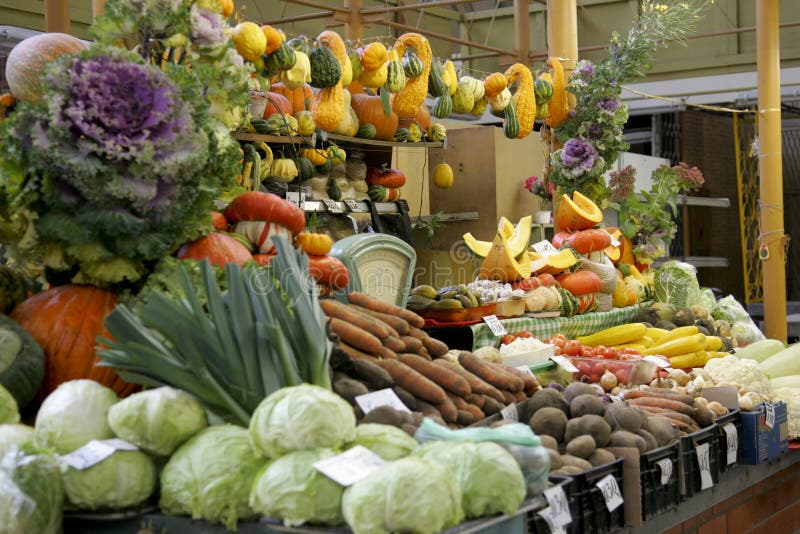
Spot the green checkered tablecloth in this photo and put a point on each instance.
(579, 325)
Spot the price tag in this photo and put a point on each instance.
(704, 462)
(295, 197)
(559, 505)
(353, 206)
(549, 517)
(510, 412)
(615, 398)
(382, 397)
(95, 452)
(351, 466)
(615, 242)
(666, 470)
(770, 419)
(332, 205)
(564, 363)
(611, 493)
(495, 325)
(527, 370)
(660, 362)
(545, 248)
(732, 440)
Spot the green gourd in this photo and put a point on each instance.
(510, 121)
(442, 106)
(325, 68)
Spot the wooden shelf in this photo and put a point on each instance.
(340, 139)
(697, 261)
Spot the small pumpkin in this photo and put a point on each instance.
(386, 177)
(314, 244)
(218, 221)
(414, 133)
(325, 68)
(379, 193)
(442, 107)
(499, 102)
(494, 83)
(218, 248)
(474, 85)
(283, 170)
(437, 132)
(412, 64)
(277, 103)
(274, 38)
(366, 131)
(374, 57)
(305, 123)
(317, 156)
(28, 58)
(300, 98)
(329, 271)
(305, 169)
(335, 153)
(443, 176)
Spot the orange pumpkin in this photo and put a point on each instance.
(27, 59)
(274, 38)
(218, 249)
(494, 84)
(370, 111)
(422, 118)
(314, 244)
(277, 103)
(300, 99)
(66, 321)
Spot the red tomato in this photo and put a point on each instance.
(587, 352)
(508, 338)
(609, 353)
(524, 335)
(572, 348)
(557, 350)
(628, 350)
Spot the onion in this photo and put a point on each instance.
(608, 381)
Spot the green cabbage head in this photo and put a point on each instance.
(301, 417)
(292, 490)
(158, 420)
(676, 283)
(9, 411)
(14, 436)
(210, 476)
(388, 442)
(490, 478)
(31, 494)
(124, 479)
(73, 415)
(409, 495)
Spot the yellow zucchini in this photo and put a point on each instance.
(682, 331)
(656, 334)
(678, 346)
(713, 343)
(616, 335)
(688, 360)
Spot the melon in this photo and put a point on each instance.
(577, 213)
(555, 263)
(21, 361)
(27, 60)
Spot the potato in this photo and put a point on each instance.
(704, 416)
(568, 470)
(550, 422)
(592, 425)
(580, 463)
(548, 398)
(411, 430)
(662, 430)
(384, 415)
(623, 438)
(548, 442)
(601, 457)
(586, 404)
(579, 388)
(582, 446)
(649, 439)
(622, 416)
(555, 460)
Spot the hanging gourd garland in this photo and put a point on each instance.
(524, 99)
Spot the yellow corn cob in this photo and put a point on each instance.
(678, 346)
(688, 360)
(676, 333)
(616, 335)
(656, 334)
(713, 343)
(636, 346)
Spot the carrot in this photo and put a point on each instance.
(429, 409)
(445, 378)
(371, 303)
(460, 403)
(412, 344)
(339, 310)
(380, 323)
(399, 325)
(531, 384)
(355, 336)
(683, 427)
(476, 412)
(666, 412)
(508, 397)
(491, 406)
(465, 418)
(490, 373)
(675, 406)
(521, 396)
(372, 374)
(419, 386)
(476, 384)
(448, 410)
(476, 399)
(655, 394)
(395, 344)
(387, 353)
(355, 354)
(406, 398)
(434, 346)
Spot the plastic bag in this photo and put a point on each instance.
(742, 326)
(707, 299)
(31, 493)
(518, 439)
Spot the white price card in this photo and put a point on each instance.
(527, 370)
(770, 419)
(660, 362)
(382, 397)
(351, 466)
(549, 516)
(615, 398)
(611, 493)
(332, 205)
(732, 442)
(564, 363)
(665, 464)
(559, 505)
(510, 412)
(95, 452)
(353, 206)
(704, 463)
(545, 248)
(495, 325)
(615, 242)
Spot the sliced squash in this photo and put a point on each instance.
(479, 248)
(506, 229)
(518, 242)
(577, 213)
(501, 265)
(614, 252)
(555, 263)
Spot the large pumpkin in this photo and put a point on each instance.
(218, 249)
(423, 118)
(277, 103)
(26, 61)
(370, 111)
(66, 321)
(301, 99)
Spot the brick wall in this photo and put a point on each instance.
(771, 506)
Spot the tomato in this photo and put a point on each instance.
(608, 353)
(572, 348)
(524, 335)
(557, 350)
(508, 338)
(629, 350)
(587, 352)
(528, 284)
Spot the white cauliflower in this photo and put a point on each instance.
(791, 396)
(745, 375)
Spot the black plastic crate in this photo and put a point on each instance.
(592, 515)
(733, 418)
(657, 498)
(689, 466)
(534, 522)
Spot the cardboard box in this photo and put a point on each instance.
(761, 443)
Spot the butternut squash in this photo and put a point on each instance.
(408, 101)
(524, 97)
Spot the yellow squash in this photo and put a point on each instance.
(558, 107)
(408, 101)
(524, 97)
(329, 104)
(616, 335)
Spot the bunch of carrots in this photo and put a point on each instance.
(383, 346)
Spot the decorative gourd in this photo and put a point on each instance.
(511, 127)
(437, 132)
(442, 107)
(283, 170)
(333, 190)
(443, 176)
(22, 364)
(27, 59)
(329, 107)
(450, 77)
(355, 64)
(436, 85)
(577, 213)
(569, 304)
(375, 56)
(499, 102)
(408, 101)
(274, 38)
(349, 126)
(300, 98)
(347, 72)
(324, 168)
(299, 74)
(218, 221)
(414, 133)
(300, 44)
(314, 244)
(588, 241)
(76, 313)
(370, 111)
(218, 248)
(412, 64)
(305, 169)
(280, 60)
(524, 97)
(543, 88)
(474, 85)
(305, 123)
(277, 103)
(282, 124)
(366, 131)
(316, 156)
(325, 68)
(395, 75)
(558, 107)
(374, 79)
(379, 193)
(479, 107)
(493, 84)
(423, 117)
(401, 135)
(390, 178)
(335, 153)
(463, 99)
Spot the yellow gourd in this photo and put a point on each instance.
(329, 104)
(374, 78)
(299, 74)
(374, 56)
(558, 107)
(493, 84)
(408, 101)
(314, 244)
(450, 77)
(524, 97)
(317, 156)
(443, 176)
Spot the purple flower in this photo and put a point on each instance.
(595, 130)
(579, 156)
(609, 104)
(208, 28)
(585, 70)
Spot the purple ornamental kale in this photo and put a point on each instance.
(578, 156)
(609, 104)
(585, 70)
(208, 28)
